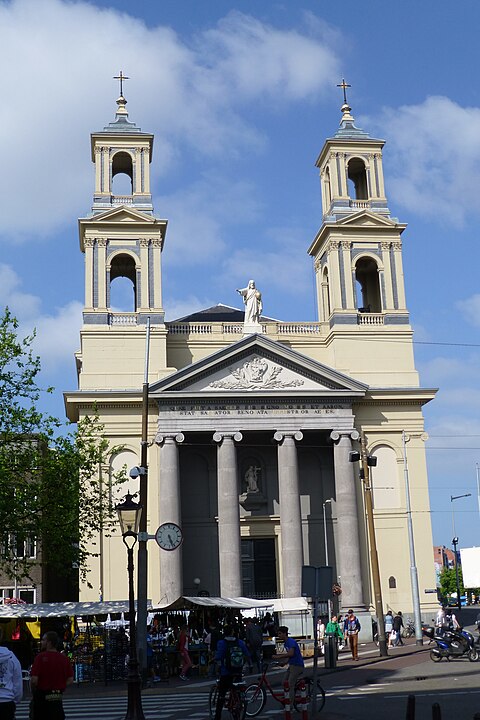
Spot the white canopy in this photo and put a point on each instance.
(242, 603)
(65, 608)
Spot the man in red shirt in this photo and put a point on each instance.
(51, 673)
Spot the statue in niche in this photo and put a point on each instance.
(252, 299)
(251, 478)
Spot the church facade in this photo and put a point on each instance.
(251, 426)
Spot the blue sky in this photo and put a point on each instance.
(241, 96)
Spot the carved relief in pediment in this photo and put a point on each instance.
(256, 373)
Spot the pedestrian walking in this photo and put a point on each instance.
(254, 638)
(398, 627)
(388, 625)
(353, 627)
(50, 674)
(11, 686)
(183, 650)
(333, 629)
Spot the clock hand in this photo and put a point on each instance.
(171, 541)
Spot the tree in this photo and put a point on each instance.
(49, 481)
(448, 582)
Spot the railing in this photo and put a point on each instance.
(190, 329)
(370, 319)
(122, 200)
(359, 204)
(298, 328)
(238, 328)
(122, 319)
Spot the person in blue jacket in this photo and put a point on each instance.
(231, 655)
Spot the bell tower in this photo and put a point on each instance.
(358, 250)
(121, 238)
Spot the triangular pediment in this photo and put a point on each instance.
(121, 213)
(257, 365)
(366, 217)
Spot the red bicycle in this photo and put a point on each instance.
(256, 694)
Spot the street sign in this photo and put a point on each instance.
(432, 590)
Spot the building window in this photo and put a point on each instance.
(392, 583)
(27, 594)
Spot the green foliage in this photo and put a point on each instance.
(448, 582)
(49, 483)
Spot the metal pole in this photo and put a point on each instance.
(134, 683)
(413, 566)
(329, 602)
(142, 579)
(478, 488)
(315, 653)
(457, 580)
(377, 588)
(100, 544)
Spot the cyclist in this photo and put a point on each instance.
(295, 659)
(231, 655)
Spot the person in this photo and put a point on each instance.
(11, 686)
(254, 637)
(230, 656)
(268, 625)
(51, 673)
(252, 299)
(321, 634)
(211, 641)
(388, 625)
(398, 627)
(352, 628)
(295, 659)
(333, 629)
(183, 650)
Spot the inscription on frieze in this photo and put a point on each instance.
(251, 409)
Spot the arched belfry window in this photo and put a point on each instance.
(122, 174)
(357, 179)
(123, 284)
(392, 583)
(328, 189)
(368, 286)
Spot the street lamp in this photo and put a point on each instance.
(129, 513)
(326, 551)
(452, 498)
(368, 461)
(455, 543)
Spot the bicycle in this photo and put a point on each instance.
(256, 694)
(235, 701)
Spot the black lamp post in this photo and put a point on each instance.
(457, 581)
(129, 513)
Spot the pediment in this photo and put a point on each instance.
(121, 214)
(368, 218)
(257, 365)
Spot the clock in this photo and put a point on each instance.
(169, 536)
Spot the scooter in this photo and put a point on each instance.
(452, 643)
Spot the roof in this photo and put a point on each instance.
(217, 313)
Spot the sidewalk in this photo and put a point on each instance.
(369, 654)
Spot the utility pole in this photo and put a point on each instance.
(367, 462)
(413, 566)
(142, 561)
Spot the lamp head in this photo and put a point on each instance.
(354, 456)
(129, 513)
(455, 541)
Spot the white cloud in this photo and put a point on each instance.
(470, 309)
(191, 94)
(56, 334)
(434, 163)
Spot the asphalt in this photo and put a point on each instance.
(369, 654)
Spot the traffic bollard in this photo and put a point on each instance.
(286, 700)
(410, 707)
(303, 703)
(436, 712)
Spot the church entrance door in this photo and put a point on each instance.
(259, 574)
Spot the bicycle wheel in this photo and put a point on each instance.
(238, 705)
(255, 699)
(309, 687)
(212, 701)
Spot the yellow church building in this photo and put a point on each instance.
(251, 421)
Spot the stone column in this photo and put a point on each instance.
(347, 539)
(171, 571)
(290, 514)
(229, 546)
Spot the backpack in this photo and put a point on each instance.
(234, 658)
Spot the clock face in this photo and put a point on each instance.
(169, 536)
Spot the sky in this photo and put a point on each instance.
(241, 97)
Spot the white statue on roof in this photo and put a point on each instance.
(252, 299)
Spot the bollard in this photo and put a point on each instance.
(410, 707)
(286, 700)
(303, 703)
(436, 712)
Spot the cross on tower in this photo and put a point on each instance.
(121, 77)
(344, 87)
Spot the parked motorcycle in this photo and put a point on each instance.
(452, 643)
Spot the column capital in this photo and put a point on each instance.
(281, 435)
(335, 435)
(161, 438)
(219, 437)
